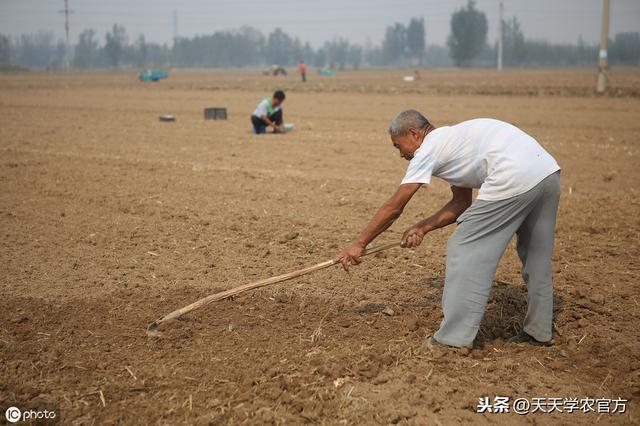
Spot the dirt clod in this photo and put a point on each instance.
(388, 311)
(288, 237)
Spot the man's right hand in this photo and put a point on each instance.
(350, 255)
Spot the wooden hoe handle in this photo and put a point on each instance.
(262, 283)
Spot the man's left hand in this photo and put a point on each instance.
(412, 237)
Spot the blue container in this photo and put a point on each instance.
(326, 71)
(152, 75)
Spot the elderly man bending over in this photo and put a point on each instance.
(519, 191)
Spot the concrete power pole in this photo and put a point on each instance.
(175, 36)
(602, 56)
(67, 49)
(500, 38)
(175, 26)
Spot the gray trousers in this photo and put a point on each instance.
(475, 248)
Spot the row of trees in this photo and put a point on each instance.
(42, 51)
(118, 51)
(624, 49)
(468, 45)
(403, 45)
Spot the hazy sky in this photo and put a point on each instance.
(313, 21)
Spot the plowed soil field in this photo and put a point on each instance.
(110, 219)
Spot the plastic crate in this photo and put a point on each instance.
(215, 113)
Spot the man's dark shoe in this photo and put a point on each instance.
(431, 342)
(526, 338)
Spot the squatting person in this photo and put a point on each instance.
(519, 191)
(268, 113)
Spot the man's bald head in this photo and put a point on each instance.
(405, 120)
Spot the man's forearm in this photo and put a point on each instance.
(443, 217)
(382, 220)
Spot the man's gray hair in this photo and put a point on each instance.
(405, 120)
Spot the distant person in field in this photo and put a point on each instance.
(303, 71)
(519, 191)
(269, 114)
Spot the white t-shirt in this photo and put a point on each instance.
(263, 108)
(497, 157)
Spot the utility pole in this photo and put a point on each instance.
(500, 37)
(175, 36)
(175, 26)
(67, 49)
(602, 56)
